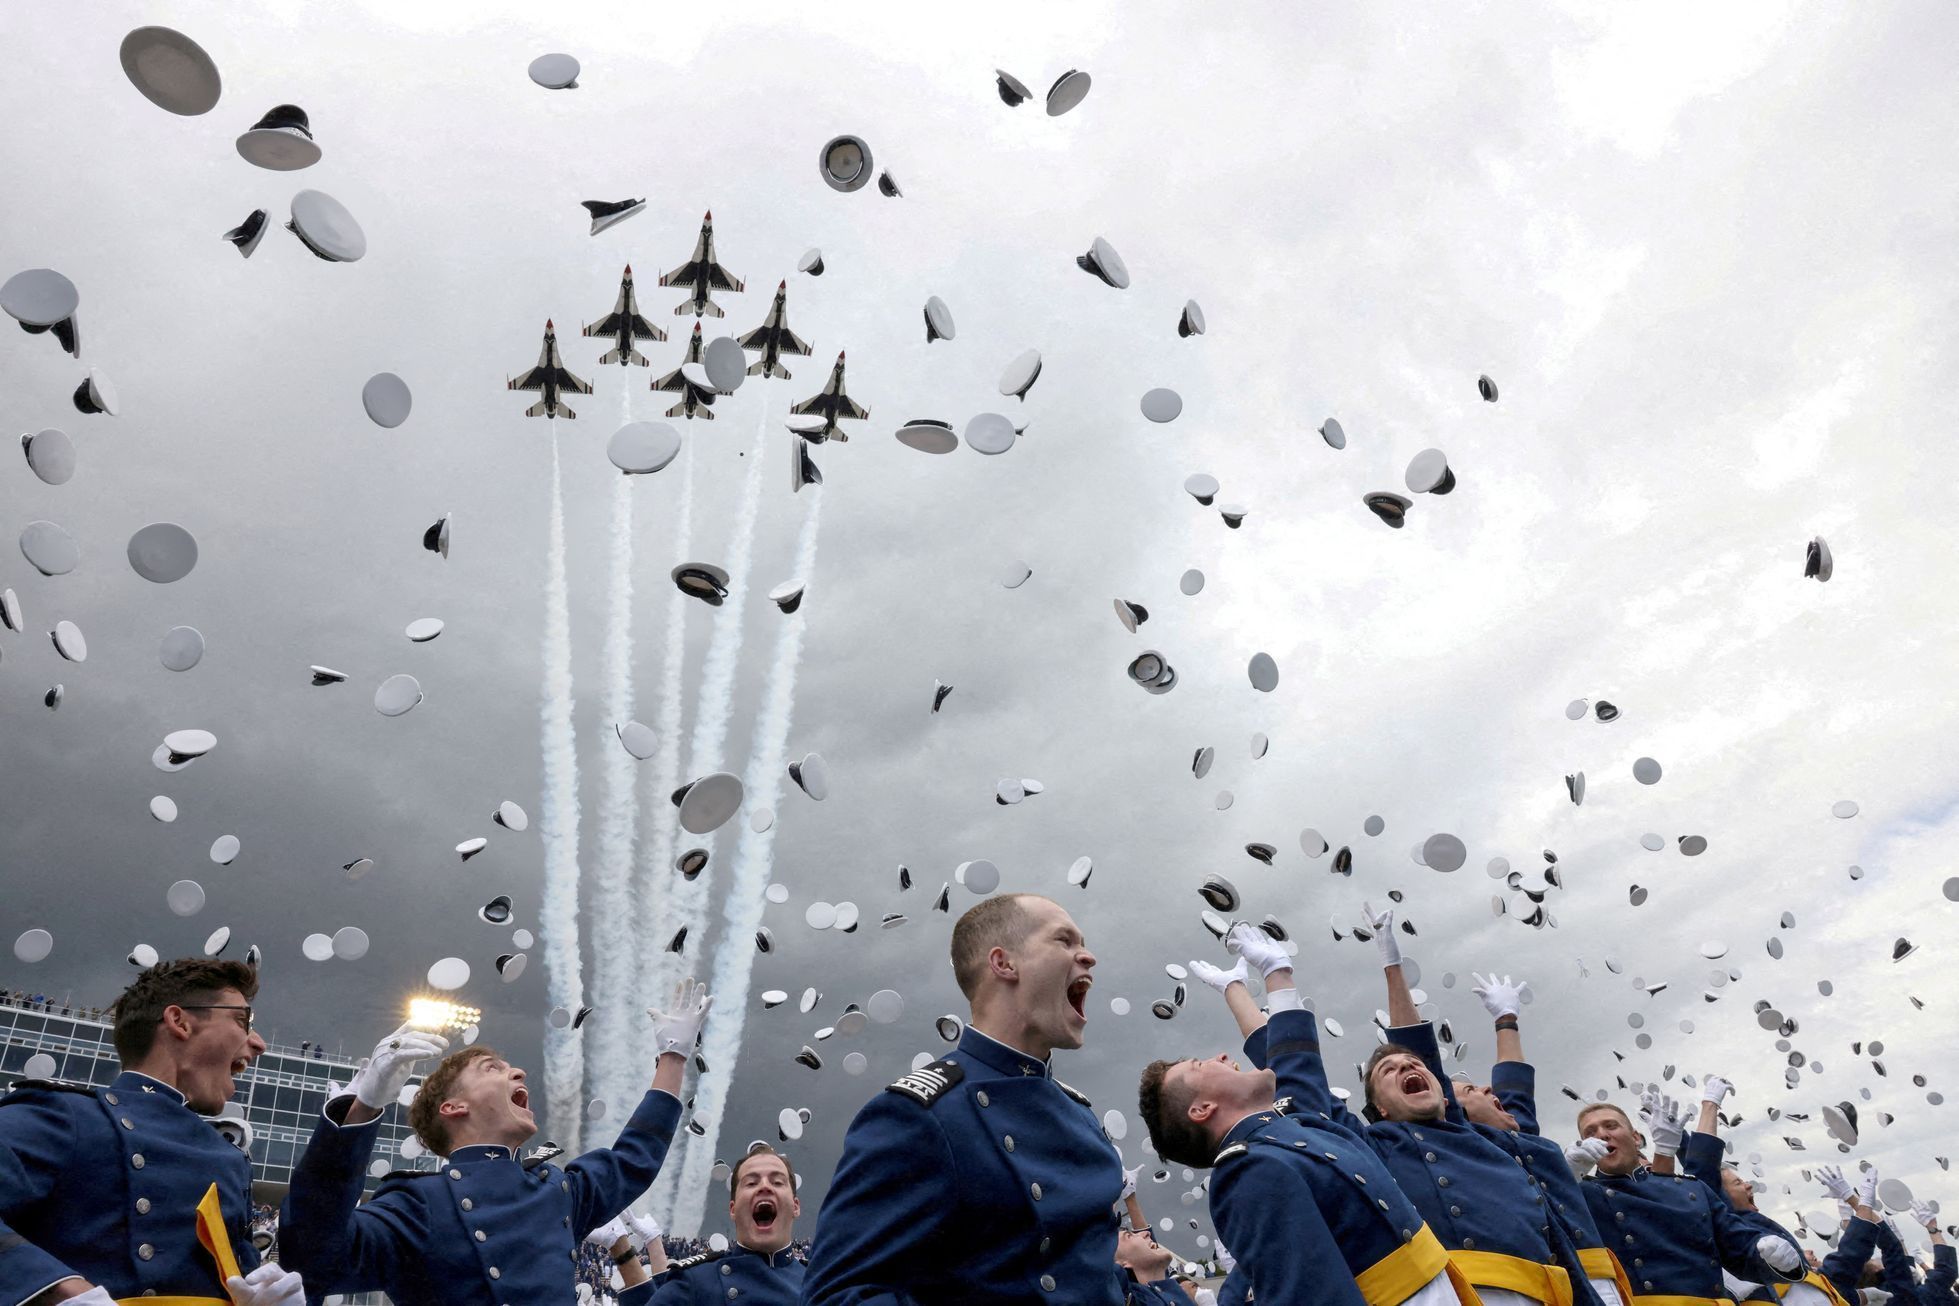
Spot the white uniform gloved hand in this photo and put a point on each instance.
(644, 1230)
(1129, 1183)
(1925, 1215)
(1258, 948)
(1381, 923)
(679, 1029)
(268, 1285)
(1500, 997)
(1780, 1254)
(608, 1233)
(1226, 1261)
(1663, 1128)
(93, 1297)
(382, 1076)
(1867, 1190)
(1584, 1155)
(1876, 1297)
(1834, 1183)
(1715, 1089)
(1216, 976)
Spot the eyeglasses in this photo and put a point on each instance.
(222, 1006)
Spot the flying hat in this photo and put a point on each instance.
(324, 226)
(1021, 374)
(1131, 615)
(282, 140)
(10, 611)
(991, 433)
(703, 581)
(1233, 514)
(788, 596)
(1333, 433)
(1817, 564)
(638, 448)
(68, 641)
(940, 692)
(1486, 388)
(1429, 473)
(41, 299)
(50, 455)
(1067, 92)
(468, 848)
(181, 648)
(610, 213)
(162, 552)
(97, 395)
(691, 863)
(845, 162)
(725, 364)
(555, 72)
(436, 538)
(811, 262)
(887, 186)
(1201, 487)
(938, 320)
(710, 802)
(171, 71)
(1162, 405)
(247, 234)
(397, 695)
(638, 740)
(1103, 263)
(1264, 673)
(495, 912)
(51, 549)
(386, 399)
(803, 469)
(1013, 92)
(1219, 892)
(812, 776)
(929, 435)
(1390, 508)
(1192, 321)
(1261, 852)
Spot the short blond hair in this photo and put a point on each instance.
(1001, 922)
(425, 1112)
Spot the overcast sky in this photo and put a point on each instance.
(1705, 251)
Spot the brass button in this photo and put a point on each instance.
(733, 1293)
(455, 1174)
(727, 1270)
(1455, 1210)
(982, 1098)
(137, 1160)
(126, 1124)
(112, 1099)
(495, 1273)
(1036, 1190)
(1047, 1283)
(1008, 1142)
(142, 1206)
(1428, 1156)
(1046, 1243)
(1469, 1244)
(1442, 1182)
(145, 1251)
(482, 1237)
(468, 1204)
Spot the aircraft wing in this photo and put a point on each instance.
(569, 382)
(848, 407)
(718, 277)
(684, 275)
(605, 326)
(794, 344)
(531, 380)
(757, 339)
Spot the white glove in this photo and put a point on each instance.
(268, 1285)
(1129, 1183)
(1780, 1254)
(1876, 1297)
(1258, 948)
(1584, 1155)
(382, 1076)
(1500, 996)
(1226, 1261)
(608, 1233)
(1867, 1191)
(1381, 923)
(1925, 1215)
(1217, 977)
(678, 1030)
(1834, 1183)
(1715, 1089)
(93, 1297)
(644, 1230)
(1663, 1130)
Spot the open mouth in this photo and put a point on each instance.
(520, 1097)
(763, 1213)
(1414, 1083)
(240, 1065)
(1078, 997)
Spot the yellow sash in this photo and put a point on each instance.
(216, 1240)
(1816, 1281)
(1600, 1263)
(1546, 1283)
(1402, 1272)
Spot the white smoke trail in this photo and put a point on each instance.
(615, 994)
(714, 706)
(564, 1057)
(742, 904)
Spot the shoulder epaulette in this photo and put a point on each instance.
(541, 1153)
(56, 1086)
(393, 1175)
(1236, 1149)
(927, 1084)
(1078, 1095)
(1283, 1106)
(690, 1262)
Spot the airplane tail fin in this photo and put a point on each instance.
(638, 359)
(535, 410)
(711, 309)
(612, 356)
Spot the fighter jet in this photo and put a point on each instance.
(833, 405)
(702, 276)
(696, 392)
(774, 339)
(625, 325)
(550, 377)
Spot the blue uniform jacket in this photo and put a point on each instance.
(482, 1230)
(1673, 1236)
(1474, 1193)
(1701, 1158)
(105, 1182)
(1159, 1292)
(1945, 1270)
(1844, 1266)
(736, 1275)
(1515, 1086)
(979, 1178)
(1232, 1293)
(1305, 1206)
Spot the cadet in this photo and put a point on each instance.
(1673, 1241)
(485, 1228)
(981, 1177)
(1312, 1215)
(1701, 1158)
(1145, 1266)
(757, 1266)
(105, 1193)
(1480, 1201)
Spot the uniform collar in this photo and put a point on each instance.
(1250, 1125)
(775, 1259)
(1002, 1057)
(135, 1081)
(481, 1152)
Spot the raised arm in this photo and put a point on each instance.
(1289, 1043)
(1512, 1079)
(1945, 1266)
(1701, 1151)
